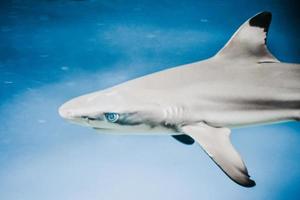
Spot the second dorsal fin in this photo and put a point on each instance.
(249, 41)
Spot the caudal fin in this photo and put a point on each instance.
(249, 41)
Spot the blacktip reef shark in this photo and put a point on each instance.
(243, 84)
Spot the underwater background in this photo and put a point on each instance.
(54, 50)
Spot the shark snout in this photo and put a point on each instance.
(69, 111)
(75, 110)
(65, 112)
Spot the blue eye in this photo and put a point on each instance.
(111, 117)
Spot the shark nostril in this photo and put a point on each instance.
(88, 118)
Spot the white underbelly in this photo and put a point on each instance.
(139, 130)
(228, 107)
(246, 118)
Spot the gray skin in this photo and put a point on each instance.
(243, 84)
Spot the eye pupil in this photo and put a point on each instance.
(112, 117)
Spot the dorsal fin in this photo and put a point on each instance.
(249, 41)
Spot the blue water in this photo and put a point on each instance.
(51, 51)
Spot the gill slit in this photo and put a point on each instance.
(173, 114)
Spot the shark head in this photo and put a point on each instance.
(116, 111)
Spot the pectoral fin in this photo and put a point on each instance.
(184, 139)
(216, 143)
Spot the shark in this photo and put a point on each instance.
(243, 84)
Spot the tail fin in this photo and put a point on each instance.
(249, 41)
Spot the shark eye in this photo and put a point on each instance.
(111, 117)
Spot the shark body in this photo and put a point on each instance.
(243, 84)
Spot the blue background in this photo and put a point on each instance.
(51, 51)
